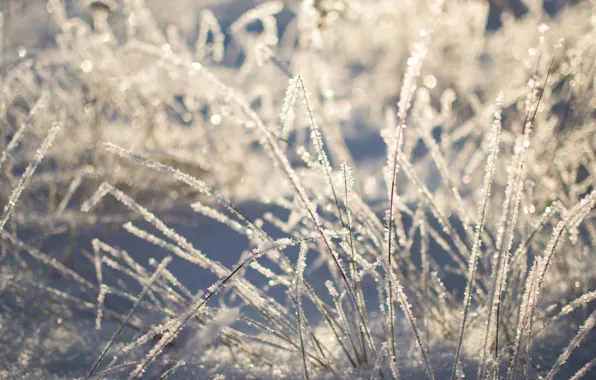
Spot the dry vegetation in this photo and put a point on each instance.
(387, 189)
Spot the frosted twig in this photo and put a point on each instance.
(534, 283)
(363, 323)
(170, 371)
(583, 331)
(502, 259)
(580, 301)
(419, 51)
(26, 177)
(17, 137)
(300, 266)
(195, 183)
(102, 290)
(189, 313)
(318, 141)
(489, 172)
(584, 370)
(156, 274)
(208, 24)
(44, 258)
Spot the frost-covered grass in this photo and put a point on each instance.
(297, 189)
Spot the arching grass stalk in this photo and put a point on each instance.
(489, 173)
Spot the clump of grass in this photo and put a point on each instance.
(336, 278)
